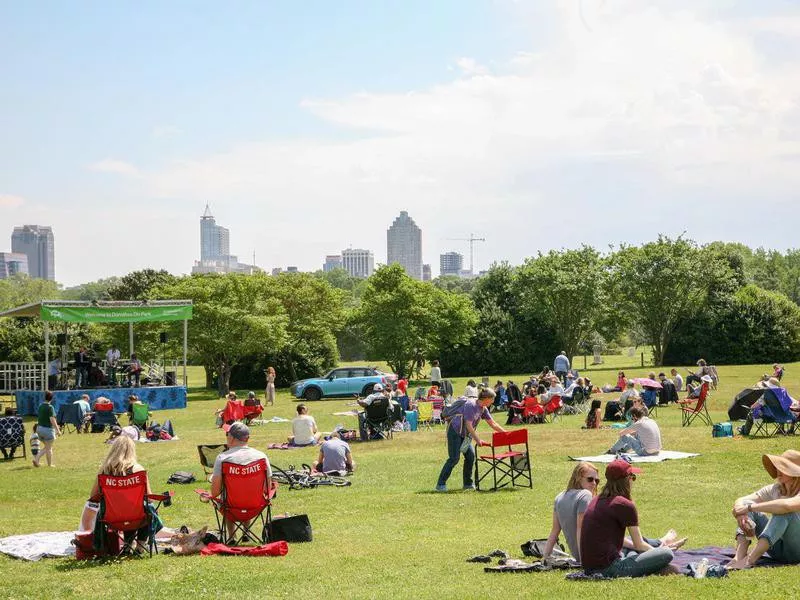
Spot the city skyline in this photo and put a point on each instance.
(308, 129)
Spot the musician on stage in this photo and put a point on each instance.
(53, 371)
(82, 364)
(112, 358)
(135, 370)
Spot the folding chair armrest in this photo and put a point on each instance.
(160, 497)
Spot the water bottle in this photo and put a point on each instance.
(701, 569)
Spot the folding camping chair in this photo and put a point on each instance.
(208, 454)
(774, 417)
(425, 414)
(378, 420)
(251, 412)
(513, 465)
(233, 411)
(12, 436)
(70, 416)
(140, 415)
(102, 419)
(531, 409)
(125, 507)
(693, 408)
(552, 410)
(245, 502)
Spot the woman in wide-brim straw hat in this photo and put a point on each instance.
(772, 514)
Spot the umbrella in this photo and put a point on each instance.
(744, 400)
(647, 382)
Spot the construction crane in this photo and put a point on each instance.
(471, 239)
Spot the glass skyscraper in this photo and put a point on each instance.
(404, 245)
(37, 243)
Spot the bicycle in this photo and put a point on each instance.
(305, 478)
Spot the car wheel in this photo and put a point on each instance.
(312, 394)
(367, 389)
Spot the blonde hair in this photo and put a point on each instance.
(791, 489)
(577, 473)
(121, 457)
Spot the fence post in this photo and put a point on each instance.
(642, 359)
(584, 362)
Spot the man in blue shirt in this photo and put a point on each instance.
(561, 366)
(461, 431)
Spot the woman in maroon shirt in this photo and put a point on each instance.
(604, 525)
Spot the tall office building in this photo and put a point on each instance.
(426, 272)
(215, 240)
(404, 245)
(451, 263)
(36, 242)
(358, 262)
(332, 261)
(12, 263)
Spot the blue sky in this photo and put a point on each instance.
(309, 126)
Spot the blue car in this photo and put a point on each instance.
(340, 382)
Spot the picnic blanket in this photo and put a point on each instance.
(275, 419)
(35, 546)
(661, 456)
(349, 413)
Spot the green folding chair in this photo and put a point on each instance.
(141, 415)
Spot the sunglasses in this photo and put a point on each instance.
(593, 479)
(632, 476)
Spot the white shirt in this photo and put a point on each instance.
(678, 381)
(54, 366)
(470, 392)
(303, 427)
(646, 429)
(555, 389)
(112, 356)
(436, 374)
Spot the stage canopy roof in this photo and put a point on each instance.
(104, 311)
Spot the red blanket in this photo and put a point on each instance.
(272, 549)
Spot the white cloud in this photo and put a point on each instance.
(9, 201)
(110, 165)
(633, 107)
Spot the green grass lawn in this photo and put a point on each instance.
(389, 535)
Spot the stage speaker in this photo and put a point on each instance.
(162, 337)
(169, 378)
(61, 339)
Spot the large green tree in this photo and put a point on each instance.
(663, 283)
(404, 319)
(566, 289)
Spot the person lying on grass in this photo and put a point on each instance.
(460, 432)
(602, 535)
(569, 509)
(779, 534)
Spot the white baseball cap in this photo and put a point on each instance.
(378, 387)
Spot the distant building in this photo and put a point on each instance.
(404, 245)
(426, 272)
(276, 271)
(332, 261)
(292, 270)
(12, 263)
(215, 249)
(451, 263)
(358, 262)
(37, 243)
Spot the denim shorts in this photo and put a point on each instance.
(46, 434)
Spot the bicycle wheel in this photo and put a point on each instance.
(334, 480)
(284, 477)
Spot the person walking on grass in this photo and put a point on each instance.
(561, 366)
(461, 432)
(47, 428)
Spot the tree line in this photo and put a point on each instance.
(722, 301)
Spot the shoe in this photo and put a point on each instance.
(469, 488)
(441, 488)
(480, 558)
(499, 554)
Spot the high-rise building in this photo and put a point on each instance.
(12, 263)
(332, 261)
(36, 242)
(404, 245)
(451, 263)
(215, 249)
(215, 240)
(426, 272)
(358, 262)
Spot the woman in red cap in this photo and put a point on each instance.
(780, 533)
(604, 525)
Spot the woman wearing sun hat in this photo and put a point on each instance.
(603, 530)
(780, 533)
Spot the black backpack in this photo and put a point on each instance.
(181, 477)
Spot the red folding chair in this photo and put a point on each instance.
(126, 506)
(234, 411)
(532, 410)
(512, 465)
(244, 502)
(693, 408)
(552, 409)
(251, 412)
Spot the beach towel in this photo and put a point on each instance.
(661, 456)
(35, 546)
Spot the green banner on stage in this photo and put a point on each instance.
(116, 314)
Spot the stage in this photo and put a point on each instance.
(159, 398)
